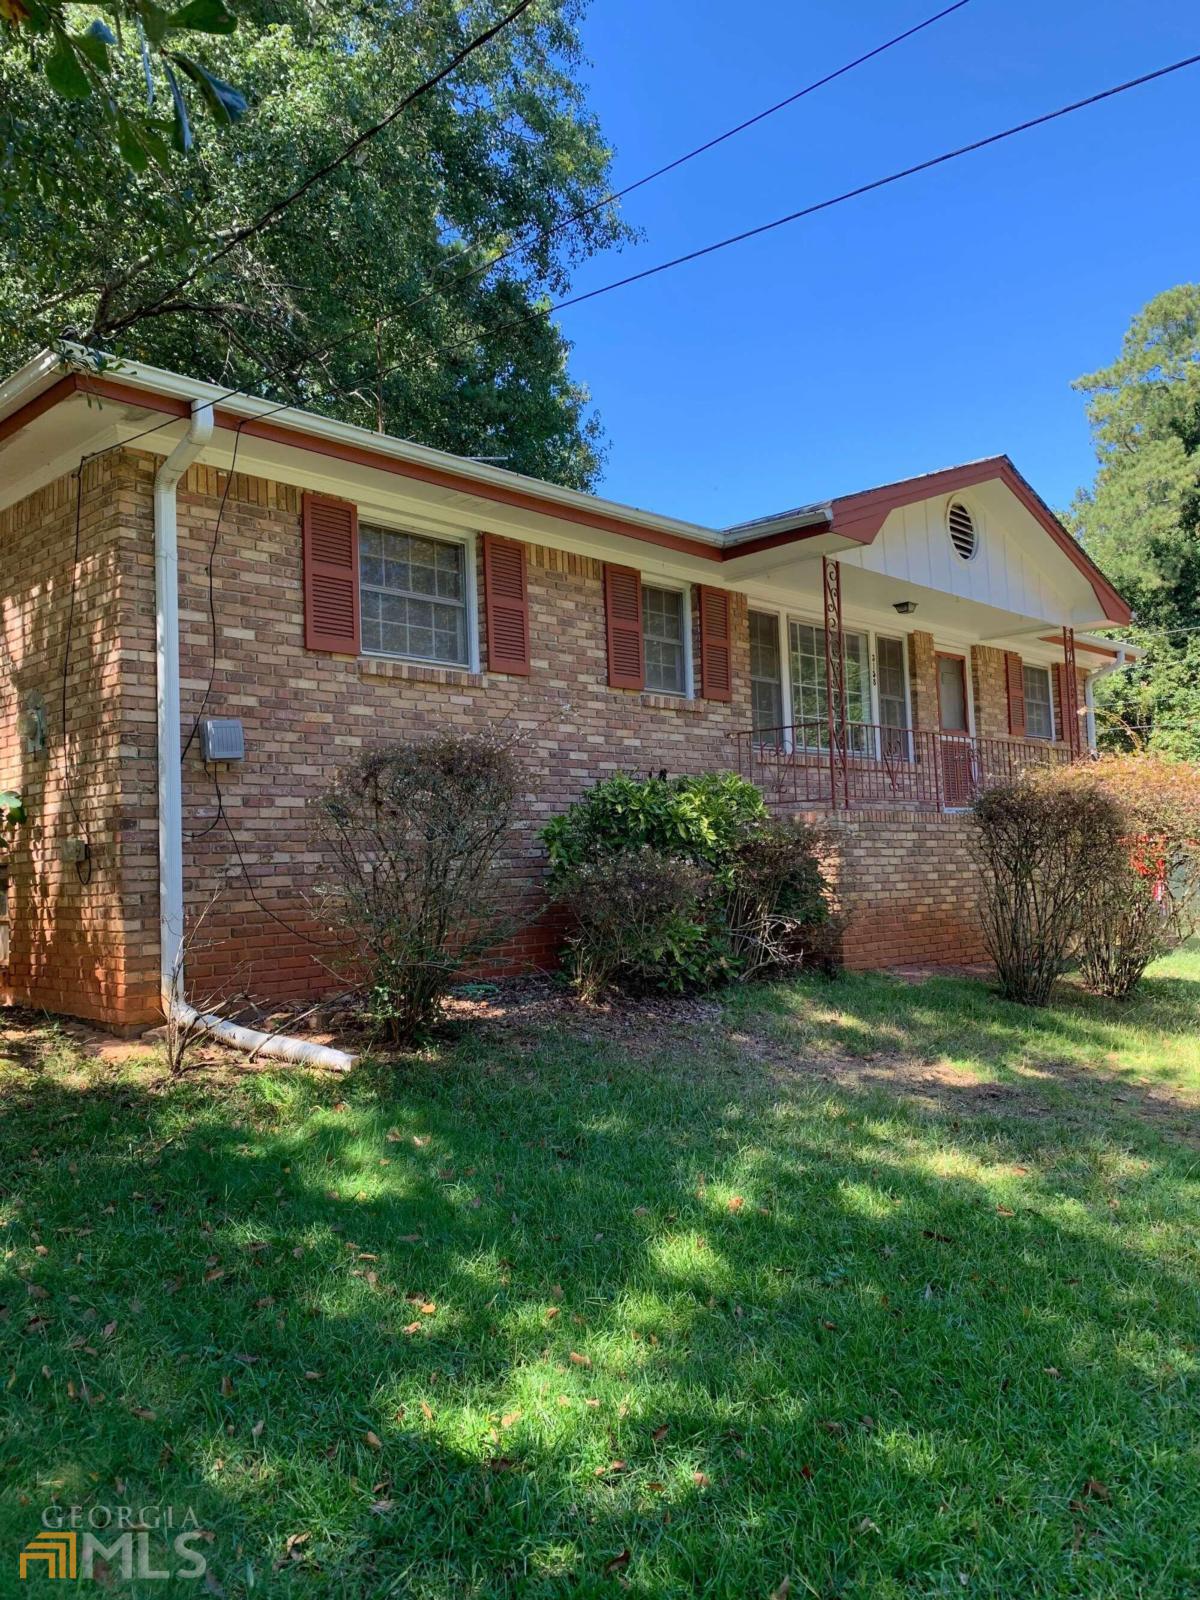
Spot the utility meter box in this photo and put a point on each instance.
(222, 739)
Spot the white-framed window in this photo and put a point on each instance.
(1039, 703)
(766, 674)
(787, 683)
(806, 661)
(666, 639)
(416, 595)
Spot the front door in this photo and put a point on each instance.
(955, 742)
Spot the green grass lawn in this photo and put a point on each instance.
(860, 1289)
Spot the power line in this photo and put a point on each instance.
(480, 269)
(878, 183)
(690, 155)
(278, 207)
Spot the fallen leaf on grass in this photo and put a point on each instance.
(617, 1562)
(701, 1479)
(426, 1410)
(411, 1327)
(660, 1433)
(380, 1508)
(1004, 1211)
(226, 1385)
(551, 1313)
(736, 1203)
(144, 1412)
(612, 1470)
(577, 1360)
(784, 1589)
(256, 1430)
(509, 1417)
(373, 1440)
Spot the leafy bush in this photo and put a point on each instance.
(1042, 848)
(759, 885)
(697, 819)
(640, 917)
(413, 833)
(1144, 905)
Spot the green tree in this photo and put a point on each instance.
(379, 296)
(1141, 517)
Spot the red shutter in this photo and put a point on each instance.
(623, 624)
(330, 574)
(1014, 682)
(716, 645)
(506, 605)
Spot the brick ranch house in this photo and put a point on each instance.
(869, 660)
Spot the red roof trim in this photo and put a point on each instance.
(857, 517)
(860, 516)
(359, 455)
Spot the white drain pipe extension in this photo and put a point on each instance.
(1089, 697)
(170, 773)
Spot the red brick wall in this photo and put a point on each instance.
(907, 886)
(305, 713)
(75, 946)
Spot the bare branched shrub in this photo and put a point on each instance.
(413, 835)
(1041, 849)
(186, 1026)
(637, 918)
(1145, 905)
(776, 905)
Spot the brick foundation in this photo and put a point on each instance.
(906, 884)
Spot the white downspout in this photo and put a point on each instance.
(1089, 697)
(170, 772)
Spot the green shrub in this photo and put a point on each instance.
(701, 820)
(640, 918)
(624, 864)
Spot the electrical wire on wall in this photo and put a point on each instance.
(83, 866)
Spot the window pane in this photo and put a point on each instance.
(662, 633)
(952, 694)
(766, 671)
(412, 594)
(893, 701)
(807, 661)
(1039, 717)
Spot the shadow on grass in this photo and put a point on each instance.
(591, 1308)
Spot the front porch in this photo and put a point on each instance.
(799, 766)
(847, 715)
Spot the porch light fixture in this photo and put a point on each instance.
(905, 607)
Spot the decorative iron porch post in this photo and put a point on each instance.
(835, 682)
(1071, 695)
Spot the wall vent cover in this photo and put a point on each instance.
(961, 526)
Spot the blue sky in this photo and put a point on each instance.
(940, 320)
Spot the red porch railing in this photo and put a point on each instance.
(883, 766)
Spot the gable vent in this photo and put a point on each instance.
(961, 525)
